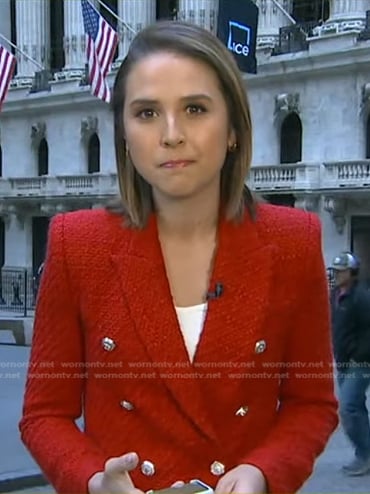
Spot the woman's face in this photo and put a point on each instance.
(176, 125)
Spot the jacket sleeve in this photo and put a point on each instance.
(307, 413)
(361, 325)
(53, 394)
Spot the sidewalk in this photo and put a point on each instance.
(7, 336)
(35, 490)
(15, 462)
(18, 471)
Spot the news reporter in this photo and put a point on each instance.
(185, 275)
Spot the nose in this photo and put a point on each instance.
(172, 134)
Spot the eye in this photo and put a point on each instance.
(195, 109)
(146, 114)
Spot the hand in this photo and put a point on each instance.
(115, 479)
(244, 479)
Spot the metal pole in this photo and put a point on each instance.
(280, 7)
(22, 52)
(25, 293)
(116, 17)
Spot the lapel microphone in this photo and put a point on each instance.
(218, 291)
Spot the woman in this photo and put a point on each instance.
(195, 312)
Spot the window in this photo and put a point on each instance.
(167, 9)
(287, 200)
(43, 158)
(57, 59)
(93, 154)
(40, 225)
(368, 138)
(311, 10)
(2, 246)
(291, 139)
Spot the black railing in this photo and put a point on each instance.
(18, 291)
(294, 38)
(365, 33)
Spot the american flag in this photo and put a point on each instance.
(102, 42)
(7, 66)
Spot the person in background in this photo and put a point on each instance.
(350, 302)
(183, 306)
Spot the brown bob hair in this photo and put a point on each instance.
(136, 202)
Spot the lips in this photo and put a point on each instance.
(176, 164)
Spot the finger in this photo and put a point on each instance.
(178, 483)
(121, 464)
(224, 486)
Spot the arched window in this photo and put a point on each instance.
(109, 17)
(43, 158)
(291, 139)
(368, 138)
(93, 154)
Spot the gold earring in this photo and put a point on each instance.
(233, 147)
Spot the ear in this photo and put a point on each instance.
(231, 141)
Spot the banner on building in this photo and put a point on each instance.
(237, 29)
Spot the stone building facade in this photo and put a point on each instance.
(310, 106)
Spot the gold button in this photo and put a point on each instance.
(242, 412)
(148, 468)
(260, 346)
(108, 344)
(217, 468)
(127, 405)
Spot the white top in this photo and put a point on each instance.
(191, 320)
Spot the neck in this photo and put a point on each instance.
(188, 218)
(347, 285)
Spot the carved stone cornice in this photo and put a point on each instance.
(49, 209)
(286, 103)
(89, 126)
(38, 132)
(10, 212)
(337, 208)
(307, 202)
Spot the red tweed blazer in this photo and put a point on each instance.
(265, 349)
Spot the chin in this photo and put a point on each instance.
(180, 191)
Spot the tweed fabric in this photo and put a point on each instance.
(103, 280)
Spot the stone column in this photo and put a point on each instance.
(5, 28)
(33, 35)
(74, 36)
(136, 14)
(201, 12)
(347, 15)
(272, 16)
(18, 239)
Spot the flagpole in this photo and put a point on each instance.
(117, 17)
(22, 52)
(279, 6)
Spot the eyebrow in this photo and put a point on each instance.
(190, 97)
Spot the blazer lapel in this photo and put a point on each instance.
(242, 264)
(145, 287)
